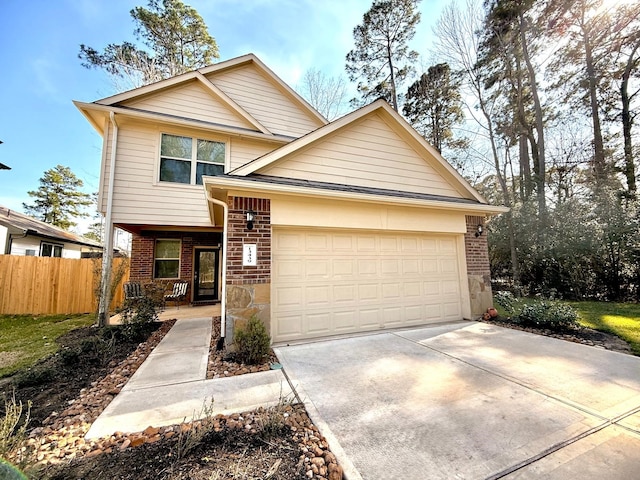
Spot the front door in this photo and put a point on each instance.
(205, 274)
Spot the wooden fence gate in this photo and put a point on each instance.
(46, 285)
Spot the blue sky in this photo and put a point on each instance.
(41, 74)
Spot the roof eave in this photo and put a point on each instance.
(222, 183)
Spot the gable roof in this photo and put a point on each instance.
(200, 75)
(31, 226)
(396, 122)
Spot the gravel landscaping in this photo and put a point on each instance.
(277, 443)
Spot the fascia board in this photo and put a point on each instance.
(158, 117)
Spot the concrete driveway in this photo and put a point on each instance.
(471, 401)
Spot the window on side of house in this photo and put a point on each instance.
(50, 250)
(186, 159)
(167, 259)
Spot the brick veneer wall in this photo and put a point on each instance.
(478, 267)
(238, 235)
(248, 288)
(143, 246)
(476, 248)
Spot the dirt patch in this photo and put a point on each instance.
(9, 358)
(86, 355)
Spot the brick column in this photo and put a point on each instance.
(248, 287)
(141, 269)
(478, 268)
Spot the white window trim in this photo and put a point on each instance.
(156, 258)
(194, 154)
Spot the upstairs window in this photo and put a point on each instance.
(50, 250)
(186, 159)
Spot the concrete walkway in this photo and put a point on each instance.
(471, 401)
(171, 387)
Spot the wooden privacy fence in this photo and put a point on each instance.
(45, 285)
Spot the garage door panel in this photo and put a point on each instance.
(318, 296)
(289, 297)
(342, 267)
(410, 266)
(429, 266)
(291, 269)
(317, 243)
(345, 321)
(317, 269)
(368, 267)
(411, 290)
(369, 318)
(328, 282)
(318, 323)
(368, 292)
(389, 266)
(344, 293)
(366, 243)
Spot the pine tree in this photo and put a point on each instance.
(177, 39)
(433, 106)
(58, 200)
(381, 59)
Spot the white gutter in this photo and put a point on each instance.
(107, 250)
(223, 302)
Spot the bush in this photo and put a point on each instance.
(546, 314)
(252, 342)
(537, 313)
(507, 301)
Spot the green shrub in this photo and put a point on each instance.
(537, 313)
(252, 342)
(546, 314)
(507, 301)
(141, 310)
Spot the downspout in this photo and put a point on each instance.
(107, 250)
(223, 303)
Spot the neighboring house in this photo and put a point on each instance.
(229, 180)
(24, 235)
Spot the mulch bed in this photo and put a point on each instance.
(278, 443)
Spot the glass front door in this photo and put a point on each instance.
(205, 274)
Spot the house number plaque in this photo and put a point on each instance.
(249, 255)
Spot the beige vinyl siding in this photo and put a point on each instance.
(264, 101)
(138, 198)
(243, 151)
(192, 101)
(367, 154)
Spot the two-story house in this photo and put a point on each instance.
(229, 180)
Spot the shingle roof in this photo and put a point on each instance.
(348, 188)
(11, 218)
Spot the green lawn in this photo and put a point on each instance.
(25, 339)
(621, 319)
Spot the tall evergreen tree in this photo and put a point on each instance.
(433, 106)
(177, 41)
(381, 59)
(58, 200)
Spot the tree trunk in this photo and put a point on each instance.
(627, 122)
(599, 164)
(541, 162)
(392, 78)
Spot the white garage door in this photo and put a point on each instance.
(328, 282)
